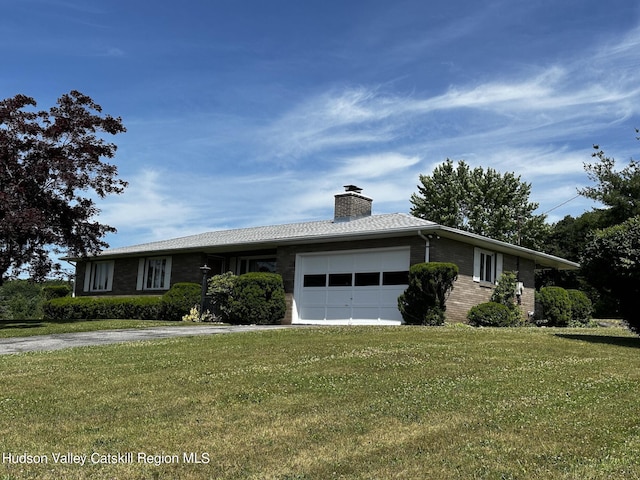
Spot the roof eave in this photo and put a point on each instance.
(544, 260)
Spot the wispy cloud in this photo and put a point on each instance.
(538, 121)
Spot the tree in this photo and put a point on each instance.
(618, 191)
(566, 239)
(49, 161)
(611, 263)
(487, 203)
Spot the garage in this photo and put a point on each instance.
(350, 288)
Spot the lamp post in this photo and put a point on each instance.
(205, 269)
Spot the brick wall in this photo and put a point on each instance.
(466, 293)
(184, 268)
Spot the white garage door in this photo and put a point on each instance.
(356, 287)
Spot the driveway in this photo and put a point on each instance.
(105, 337)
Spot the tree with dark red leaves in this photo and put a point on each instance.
(50, 161)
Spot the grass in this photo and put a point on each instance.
(343, 402)
(26, 328)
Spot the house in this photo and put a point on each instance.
(348, 270)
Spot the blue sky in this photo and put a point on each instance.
(255, 112)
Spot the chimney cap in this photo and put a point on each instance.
(352, 188)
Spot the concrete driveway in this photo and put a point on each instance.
(105, 337)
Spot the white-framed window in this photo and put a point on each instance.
(256, 264)
(98, 276)
(154, 273)
(487, 265)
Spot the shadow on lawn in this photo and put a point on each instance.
(633, 342)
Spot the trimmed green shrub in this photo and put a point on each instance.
(220, 291)
(423, 302)
(581, 307)
(102, 308)
(555, 305)
(180, 299)
(491, 314)
(257, 298)
(55, 291)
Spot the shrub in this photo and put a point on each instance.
(491, 314)
(423, 302)
(555, 305)
(257, 298)
(102, 308)
(180, 299)
(505, 294)
(20, 300)
(581, 307)
(55, 291)
(220, 291)
(194, 315)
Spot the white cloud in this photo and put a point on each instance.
(367, 167)
(152, 207)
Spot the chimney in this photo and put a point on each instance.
(351, 204)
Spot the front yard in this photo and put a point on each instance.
(27, 328)
(321, 403)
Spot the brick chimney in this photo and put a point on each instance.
(351, 204)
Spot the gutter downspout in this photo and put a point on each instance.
(75, 270)
(427, 245)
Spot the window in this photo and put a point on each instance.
(487, 266)
(395, 278)
(98, 277)
(340, 280)
(154, 273)
(367, 279)
(257, 264)
(315, 280)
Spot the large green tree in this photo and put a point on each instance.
(619, 190)
(485, 202)
(611, 254)
(611, 263)
(50, 163)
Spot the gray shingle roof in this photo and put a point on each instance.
(277, 234)
(328, 230)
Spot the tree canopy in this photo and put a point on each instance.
(50, 162)
(485, 202)
(619, 191)
(611, 263)
(610, 258)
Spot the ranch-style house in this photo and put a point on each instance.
(347, 270)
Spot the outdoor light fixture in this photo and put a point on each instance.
(205, 269)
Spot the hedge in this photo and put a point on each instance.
(101, 308)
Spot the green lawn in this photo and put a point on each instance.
(27, 328)
(322, 403)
